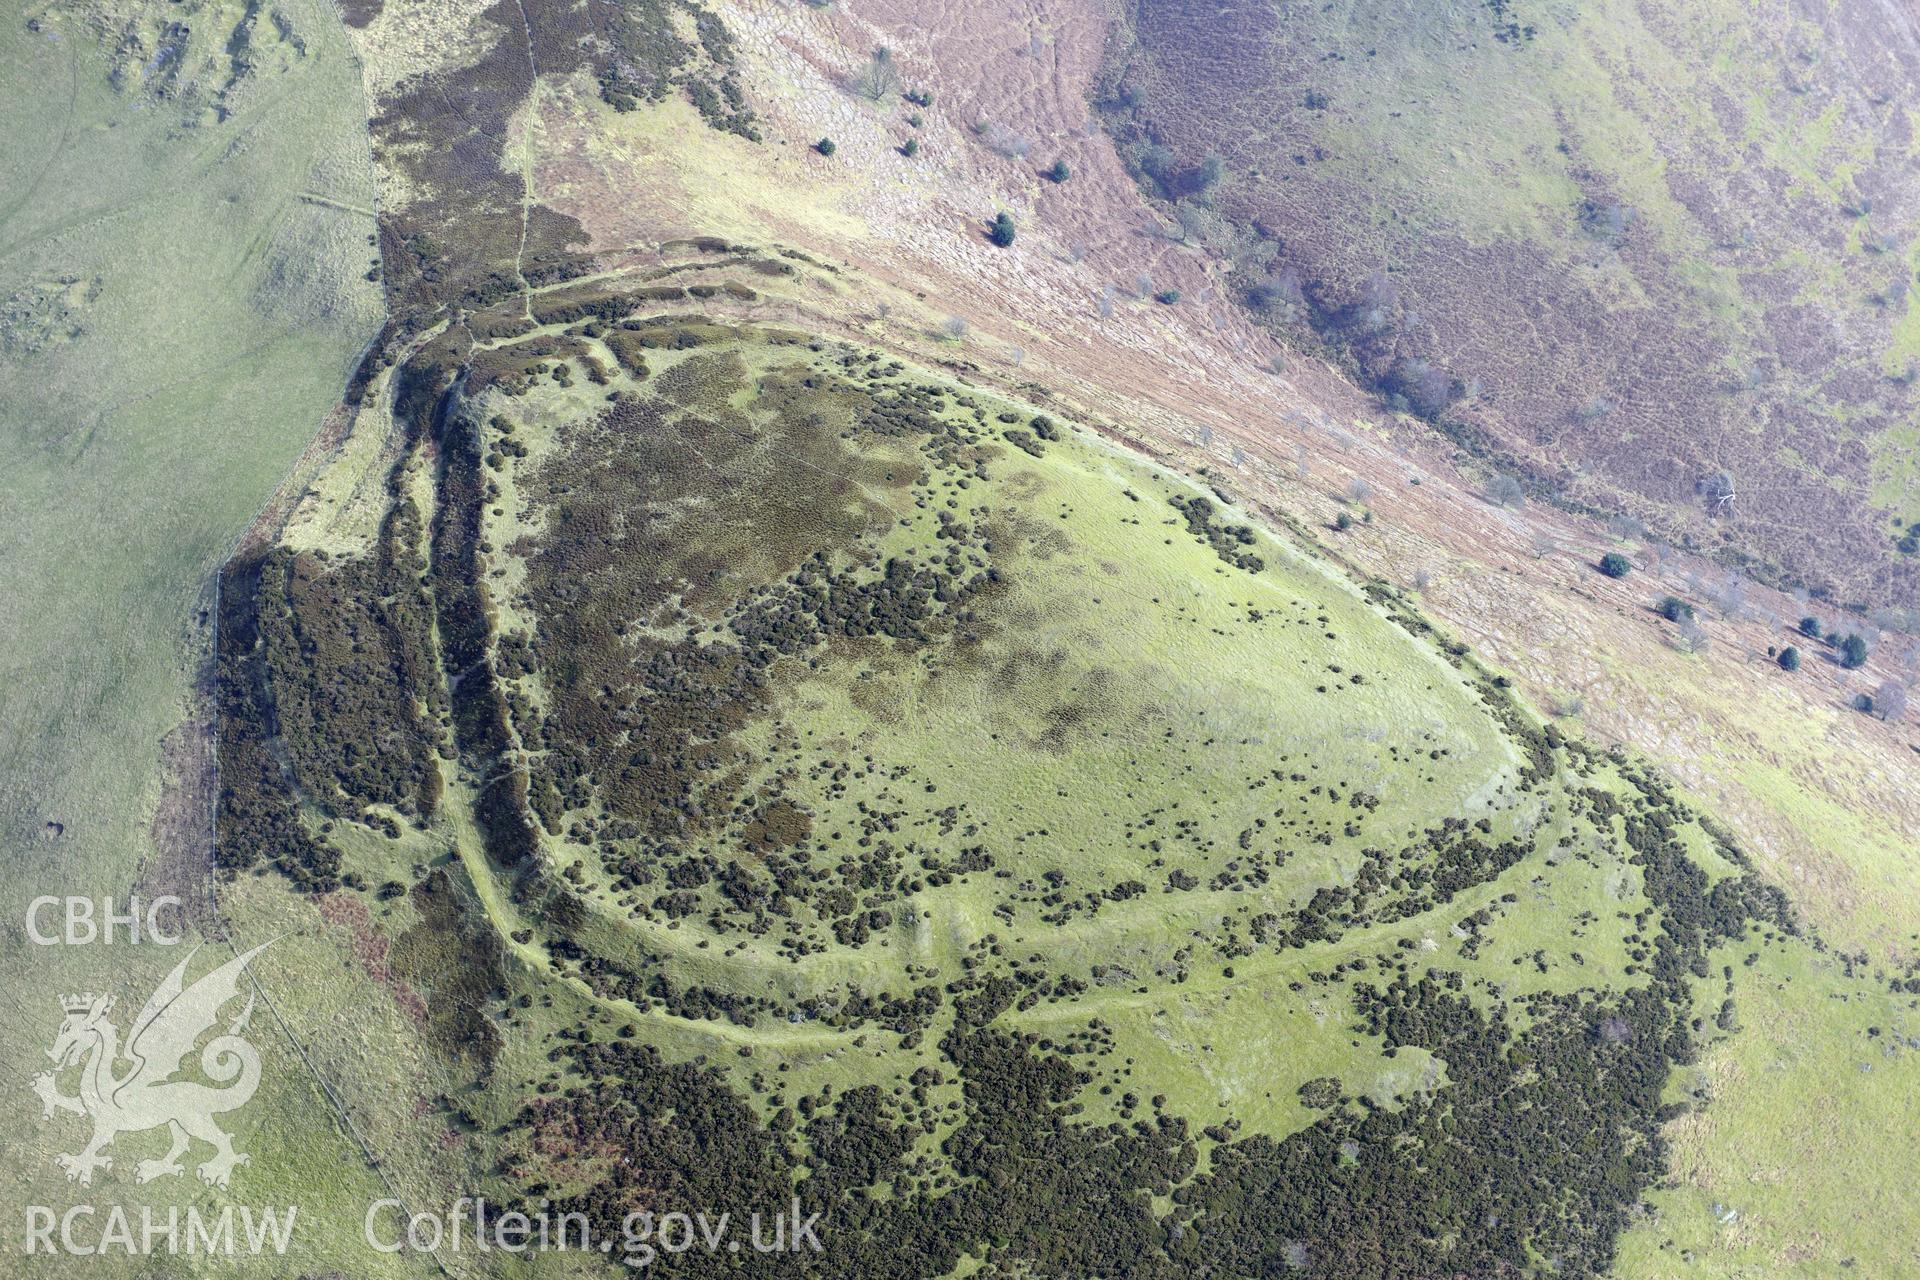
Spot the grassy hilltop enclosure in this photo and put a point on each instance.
(1659, 260)
(888, 790)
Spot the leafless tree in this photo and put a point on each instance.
(1004, 141)
(1690, 636)
(1626, 528)
(1281, 295)
(954, 328)
(1895, 618)
(1199, 224)
(1890, 701)
(879, 78)
(1718, 491)
(1730, 597)
(1359, 490)
(1506, 491)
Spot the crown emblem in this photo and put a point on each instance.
(77, 1004)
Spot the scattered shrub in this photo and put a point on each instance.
(1158, 162)
(910, 148)
(1058, 172)
(1615, 565)
(1001, 229)
(1853, 652)
(1207, 176)
(825, 146)
(1789, 659)
(1810, 628)
(1674, 609)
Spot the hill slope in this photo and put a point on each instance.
(1655, 258)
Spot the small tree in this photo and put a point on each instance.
(825, 146)
(1674, 609)
(910, 148)
(1615, 565)
(1853, 652)
(1810, 628)
(1625, 526)
(1890, 701)
(1789, 659)
(879, 77)
(1001, 229)
(1058, 172)
(1506, 491)
(1003, 141)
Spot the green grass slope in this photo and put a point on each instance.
(184, 240)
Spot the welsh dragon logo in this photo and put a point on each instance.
(144, 1095)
